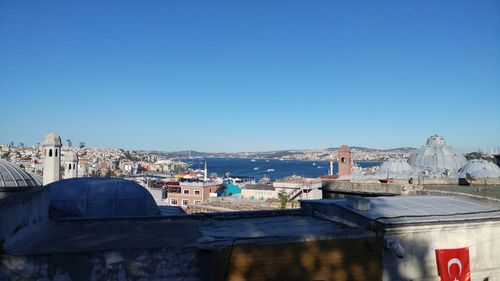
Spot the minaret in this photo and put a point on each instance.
(70, 165)
(205, 176)
(331, 166)
(51, 146)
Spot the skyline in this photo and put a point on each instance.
(255, 76)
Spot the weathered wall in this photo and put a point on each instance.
(419, 242)
(142, 264)
(369, 187)
(338, 259)
(22, 214)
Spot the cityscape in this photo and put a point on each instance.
(250, 140)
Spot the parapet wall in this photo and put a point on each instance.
(22, 213)
(369, 188)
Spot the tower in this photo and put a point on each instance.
(51, 164)
(205, 174)
(70, 165)
(330, 172)
(344, 156)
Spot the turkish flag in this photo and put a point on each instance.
(453, 264)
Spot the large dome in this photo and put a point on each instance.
(13, 178)
(100, 197)
(436, 155)
(480, 169)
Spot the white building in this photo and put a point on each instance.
(51, 147)
(411, 228)
(70, 165)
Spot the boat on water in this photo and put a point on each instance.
(256, 168)
(319, 167)
(270, 170)
(253, 160)
(314, 164)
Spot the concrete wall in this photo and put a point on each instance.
(419, 243)
(260, 194)
(23, 213)
(369, 187)
(157, 194)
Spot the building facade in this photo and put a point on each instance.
(191, 193)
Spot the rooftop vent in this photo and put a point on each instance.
(358, 203)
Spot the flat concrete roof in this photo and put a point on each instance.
(419, 209)
(201, 231)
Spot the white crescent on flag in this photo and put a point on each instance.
(457, 262)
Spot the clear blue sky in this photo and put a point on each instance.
(250, 75)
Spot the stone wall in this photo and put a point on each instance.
(369, 188)
(139, 264)
(22, 213)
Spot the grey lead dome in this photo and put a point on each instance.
(480, 168)
(393, 167)
(13, 178)
(437, 155)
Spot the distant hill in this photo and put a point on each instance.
(300, 154)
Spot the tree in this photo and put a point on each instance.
(283, 198)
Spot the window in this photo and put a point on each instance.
(74, 166)
(185, 191)
(173, 201)
(197, 192)
(197, 201)
(185, 202)
(50, 152)
(56, 152)
(69, 167)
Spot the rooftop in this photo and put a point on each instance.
(202, 231)
(404, 210)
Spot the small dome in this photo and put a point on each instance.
(70, 156)
(13, 178)
(100, 197)
(479, 168)
(436, 155)
(51, 139)
(393, 167)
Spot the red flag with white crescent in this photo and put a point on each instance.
(453, 264)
